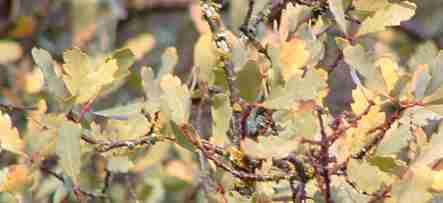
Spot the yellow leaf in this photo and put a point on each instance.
(389, 71)
(176, 98)
(358, 137)
(17, 178)
(293, 58)
(84, 80)
(9, 138)
(34, 81)
(389, 15)
(205, 57)
(361, 96)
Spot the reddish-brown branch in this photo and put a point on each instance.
(324, 159)
(190, 135)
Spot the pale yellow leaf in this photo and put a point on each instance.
(176, 99)
(390, 15)
(84, 80)
(293, 57)
(9, 138)
(389, 71)
(205, 57)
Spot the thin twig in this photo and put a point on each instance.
(324, 159)
(212, 17)
(189, 133)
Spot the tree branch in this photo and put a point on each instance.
(212, 17)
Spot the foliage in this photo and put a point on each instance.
(251, 122)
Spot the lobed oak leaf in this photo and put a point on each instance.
(366, 176)
(83, 80)
(291, 18)
(176, 99)
(53, 82)
(363, 62)
(391, 15)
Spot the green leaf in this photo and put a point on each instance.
(276, 76)
(249, 81)
(395, 140)
(336, 7)
(342, 192)
(221, 111)
(297, 89)
(363, 62)
(122, 112)
(436, 71)
(125, 59)
(424, 54)
(291, 18)
(418, 116)
(420, 81)
(134, 127)
(367, 177)
(169, 61)
(68, 150)
(176, 99)
(388, 164)
(205, 58)
(119, 164)
(180, 138)
(297, 123)
(391, 15)
(54, 84)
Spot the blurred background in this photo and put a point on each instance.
(147, 27)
